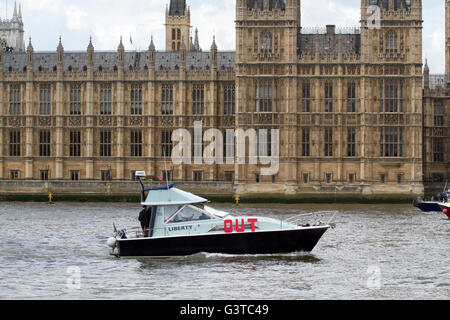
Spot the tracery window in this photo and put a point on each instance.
(167, 100)
(439, 113)
(328, 142)
(328, 96)
(391, 43)
(265, 43)
(229, 100)
(392, 142)
(136, 143)
(306, 96)
(44, 100)
(266, 96)
(391, 96)
(136, 99)
(198, 100)
(75, 143)
(105, 100)
(44, 143)
(14, 143)
(14, 100)
(306, 142)
(105, 144)
(351, 97)
(75, 100)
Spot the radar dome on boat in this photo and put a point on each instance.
(170, 196)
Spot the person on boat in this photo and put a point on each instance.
(144, 218)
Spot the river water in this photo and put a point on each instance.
(375, 252)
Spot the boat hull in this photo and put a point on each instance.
(260, 242)
(445, 208)
(428, 206)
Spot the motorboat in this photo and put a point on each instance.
(427, 206)
(179, 223)
(433, 205)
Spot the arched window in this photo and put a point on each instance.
(391, 43)
(265, 42)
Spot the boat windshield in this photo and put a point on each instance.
(177, 214)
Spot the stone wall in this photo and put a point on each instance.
(223, 191)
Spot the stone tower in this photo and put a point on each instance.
(391, 57)
(266, 60)
(178, 25)
(12, 32)
(447, 39)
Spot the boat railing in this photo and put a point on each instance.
(313, 218)
(306, 219)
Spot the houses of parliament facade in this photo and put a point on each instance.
(356, 109)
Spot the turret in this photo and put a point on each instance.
(196, 41)
(90, 59)
(394, 25)
(60, 51)
(60, 59)
(214, 54)
(151, 54)
(121, 59)
(121, 53)
(426, 76)
(30, 52)
(257, 34)
(447, 40)
(178, 25)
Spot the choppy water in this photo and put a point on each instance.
(375, 252)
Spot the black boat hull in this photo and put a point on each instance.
(260, 242)
(428, 206)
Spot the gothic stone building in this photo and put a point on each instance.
(354, 111)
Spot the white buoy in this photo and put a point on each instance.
(112, 242)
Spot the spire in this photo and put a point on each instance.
(30, 51)
(121, 53)
(214, 53)
(15, 10)
(183, 53)
(152, 45)
(30, 46)
(214, 45)
(121, 47)
(151, 55)
(60, 46)
(60, 51)
(426, 76)
(196, 41)
(90, 51)
(90, 46)
(20, 11)
(427, 68)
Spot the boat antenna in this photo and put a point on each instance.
(143, 190)
(165, 168)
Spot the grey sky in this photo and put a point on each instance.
(107, 20)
